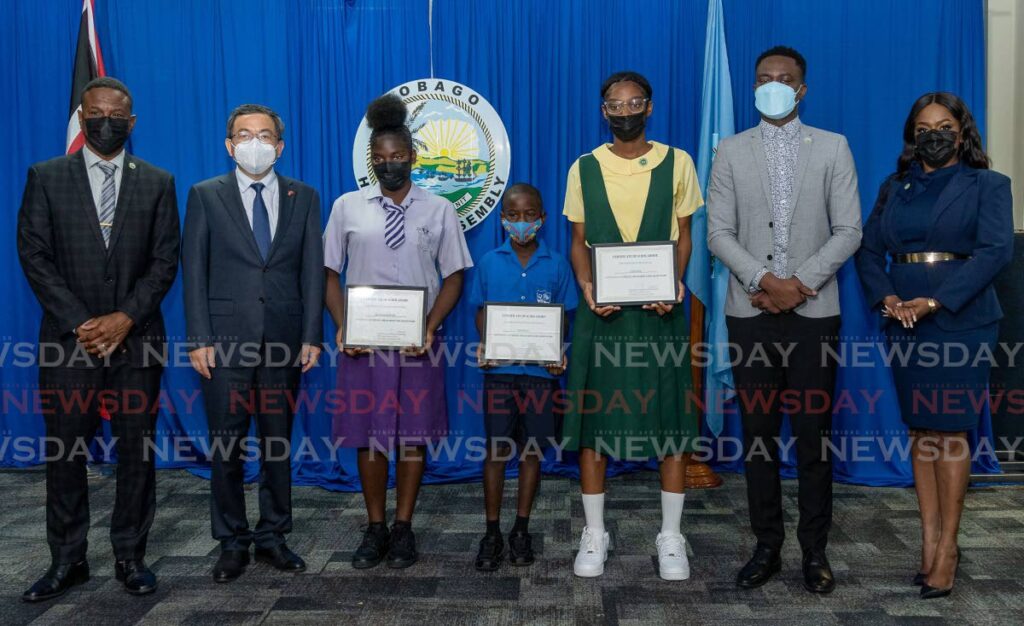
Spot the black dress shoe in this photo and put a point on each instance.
(817, 573)
(488, 558)
(520, 549)
(57, 580)
(230, 565)
(374, 547)
(920, 577)
(280, 557)
(402, 552)
(137, 578)
(760, 568)
(929, 593)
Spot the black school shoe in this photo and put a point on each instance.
(57, 580)
(374, 547)
(488, 558)
(520, 549)
(402, 552)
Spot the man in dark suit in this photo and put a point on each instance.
(98, 240)
(253, 273)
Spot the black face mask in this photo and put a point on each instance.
(935, 147)
(393, 174)
(628, 127)
(107, 134)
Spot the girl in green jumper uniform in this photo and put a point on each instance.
(630, 375)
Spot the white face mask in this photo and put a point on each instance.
(255, 157)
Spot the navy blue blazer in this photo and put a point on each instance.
(236, 301)
(973, 216)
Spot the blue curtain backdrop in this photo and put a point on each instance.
(540, 64)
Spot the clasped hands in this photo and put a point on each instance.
(907, 312)
(780, 295)
(101, 335)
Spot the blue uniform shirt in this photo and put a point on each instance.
(546, 279)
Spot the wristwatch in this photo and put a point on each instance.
(932, 305)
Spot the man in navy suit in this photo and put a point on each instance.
(252, 258)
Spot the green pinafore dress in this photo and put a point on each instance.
(629, 383)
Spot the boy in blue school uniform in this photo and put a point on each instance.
(519, 400)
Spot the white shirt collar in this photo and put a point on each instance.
(244, 180)
(91, 159)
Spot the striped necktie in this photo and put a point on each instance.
(394, 227)
(108, 200)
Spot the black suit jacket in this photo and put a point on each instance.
(76, 278)
(234, 300)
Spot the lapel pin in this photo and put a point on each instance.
(131, 165)
(807, 139)
(291, 192)
(907, 186)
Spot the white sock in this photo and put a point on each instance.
(593, 512)
(671, 512)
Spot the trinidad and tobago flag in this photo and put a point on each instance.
(88, 65)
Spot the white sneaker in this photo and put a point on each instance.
(592, 555)
(672, 561)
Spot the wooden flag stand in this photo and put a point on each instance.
(699, 475)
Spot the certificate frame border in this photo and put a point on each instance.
(535, 305)
(423, 326)
(593, 267)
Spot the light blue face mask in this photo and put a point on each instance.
(775, 100)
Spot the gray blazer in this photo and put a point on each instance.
(824, 231)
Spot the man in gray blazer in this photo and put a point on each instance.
(252, 256)
(784, 215)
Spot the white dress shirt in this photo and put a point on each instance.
(270, 196)
(97, 176)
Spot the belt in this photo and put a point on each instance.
(929, 257)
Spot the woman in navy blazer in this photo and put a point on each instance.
(940, 232)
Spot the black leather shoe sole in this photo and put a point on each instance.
(224, 577)
(773, 569)
(822, 589)
(930, 593)
(141, 590)
(487, 564)
(43, 597)
(396, 563)
(289, 568)
(366, 563)
(520, 560)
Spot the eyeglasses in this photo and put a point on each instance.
(243, 136)
(636, 105)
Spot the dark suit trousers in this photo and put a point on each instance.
(801, 384)
(233, 397)
(72, 399)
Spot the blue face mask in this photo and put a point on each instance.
(521, 232)
(775, 100)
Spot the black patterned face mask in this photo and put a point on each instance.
(935, 147)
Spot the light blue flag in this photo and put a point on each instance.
(708, 278)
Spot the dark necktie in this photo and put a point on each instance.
(260, 221)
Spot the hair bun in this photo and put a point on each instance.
(387, 111)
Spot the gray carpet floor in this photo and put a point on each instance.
(873, 550)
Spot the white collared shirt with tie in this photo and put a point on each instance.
(270, 196)
(97, 176)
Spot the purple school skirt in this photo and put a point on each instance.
(386, 399)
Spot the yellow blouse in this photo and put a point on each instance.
(627, 182)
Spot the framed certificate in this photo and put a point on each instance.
(523, 333)
(385, 317)
(634, 273)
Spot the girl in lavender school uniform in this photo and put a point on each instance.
(393, 233)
